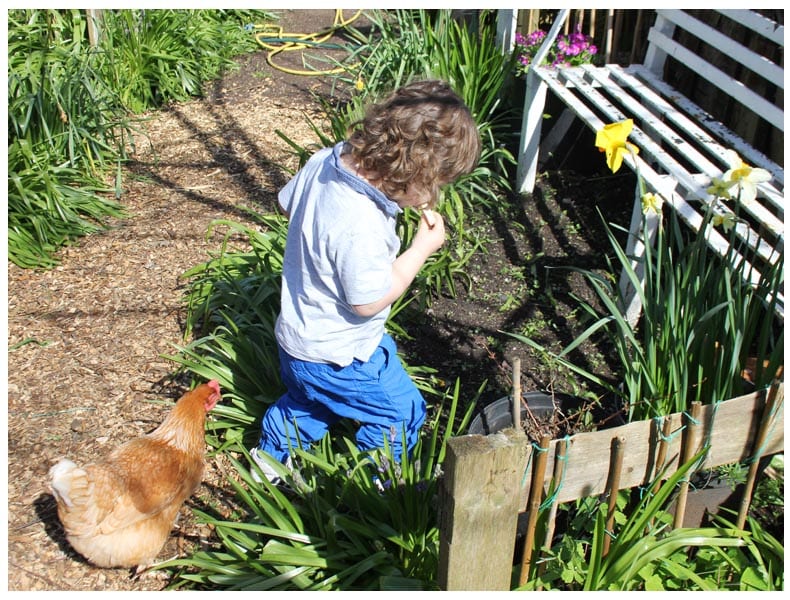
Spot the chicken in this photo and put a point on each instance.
(118, 513)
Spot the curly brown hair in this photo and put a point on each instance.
(422, 136)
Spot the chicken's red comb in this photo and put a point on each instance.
(214, 385)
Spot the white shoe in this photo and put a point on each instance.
(268, 470)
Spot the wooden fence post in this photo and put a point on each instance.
(479, 504)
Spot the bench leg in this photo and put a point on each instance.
(534, 102)
(556, 134)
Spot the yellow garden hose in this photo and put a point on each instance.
(276, 41)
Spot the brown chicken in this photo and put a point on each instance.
(118, 513)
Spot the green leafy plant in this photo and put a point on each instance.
(232, 303)
(333, 528)
(70, 103)
(66, 129)
(156, 56)
(699, 322)
(757, 565)
(645, 553)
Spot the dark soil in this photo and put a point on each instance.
(521, 284)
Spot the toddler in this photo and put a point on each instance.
(342, 269)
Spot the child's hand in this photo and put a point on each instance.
(430, 234)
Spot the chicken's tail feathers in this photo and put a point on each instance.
(60, 478)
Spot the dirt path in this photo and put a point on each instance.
(89, 333)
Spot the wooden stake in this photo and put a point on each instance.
(535, 496)
(560, 459)
(661, 455)
(480, 497)
(661, 458)
(613, 486)
(689, 448)
(773, 401)
(592, 23)
(533, 20)
(607, 57)
(516, 393)
(636, 46)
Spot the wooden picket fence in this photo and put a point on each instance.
(489, 480)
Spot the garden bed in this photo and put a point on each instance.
(85, 372)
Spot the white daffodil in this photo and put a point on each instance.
(651, 201)
(726, 220)
(720, 188)
(744, 176)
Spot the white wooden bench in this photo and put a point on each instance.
(681, 147)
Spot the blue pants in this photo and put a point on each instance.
(379, 394)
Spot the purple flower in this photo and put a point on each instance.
(568, 50)
(536, 37)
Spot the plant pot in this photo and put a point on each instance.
(706, 498)
(498, 415)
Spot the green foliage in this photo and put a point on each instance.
(158, 56)
(645, 553)
(50, 206)
(66, 127)
(69, 103)
(331, 529)
(699, 323)
(233, 301)
(757, 565)
(59, 105)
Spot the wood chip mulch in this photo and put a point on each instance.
(85, 365)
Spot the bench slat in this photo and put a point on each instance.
(692, 118)
(726, 45)
(643, 111)
(692, 186)
(613, 114)
(767, 110)
(757, 23)
(646, 112)
(729, 137)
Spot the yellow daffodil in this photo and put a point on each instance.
(360, 85)
(651, 201)
(721, 188)
(744, 176)
(612, 140)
